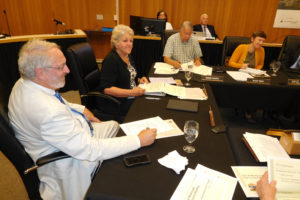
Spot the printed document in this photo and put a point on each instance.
(165, 128)
(238, 76)
(248, 177)
(286, 172)
(202, 69)
(204, 184)
(264, 146)
(164, 68)
(194, 94)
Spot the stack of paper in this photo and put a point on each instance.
(264, 146)
(169, 80)
(238, 76)
(250, 70)
(174, 161)
(164, 68)
(157, 88)
(165, 128)
(205, 183)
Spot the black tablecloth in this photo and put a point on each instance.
(154, 181)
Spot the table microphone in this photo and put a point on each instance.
(59, 22)
(6, 19)
(211, 117)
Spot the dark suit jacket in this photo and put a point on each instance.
(211, 29)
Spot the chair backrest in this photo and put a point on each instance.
(229, 45)
(166, 35)
(14, 150)
(83, 66)
(290, 51)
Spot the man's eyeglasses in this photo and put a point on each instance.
(60, 68)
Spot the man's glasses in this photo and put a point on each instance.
(60, 68)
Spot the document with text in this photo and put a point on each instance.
(165, 128)
(286, 172)
(203, 183)
(264, 146)
(202, 69)
(238, 76)
(248, 177)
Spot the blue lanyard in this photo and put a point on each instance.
(75, 111)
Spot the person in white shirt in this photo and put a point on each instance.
(163, 15)
(44, 123)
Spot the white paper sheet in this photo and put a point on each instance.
(205, 184)
(194, 94)
(169, 80)
(248, 177)
(165, 128)
(286, 172)
(238, 76)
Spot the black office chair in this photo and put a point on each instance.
(15, 152)
(229, 45)
(166, 35)
(290, 51)
(85, 71)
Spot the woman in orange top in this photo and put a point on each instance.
(250, 55)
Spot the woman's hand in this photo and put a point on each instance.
(137, 92)
(143, 80)
(245, 66)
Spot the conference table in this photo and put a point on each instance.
(154, 181)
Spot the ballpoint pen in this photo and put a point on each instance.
(152, 98)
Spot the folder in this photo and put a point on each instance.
(181, 105)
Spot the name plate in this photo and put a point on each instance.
(212, 78)
(293, 81)
(263, 81)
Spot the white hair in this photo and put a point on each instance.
(34, 54)
(118, 32)
(186, 24)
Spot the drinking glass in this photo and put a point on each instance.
(188, 74)
(191, 131)
(275, 65)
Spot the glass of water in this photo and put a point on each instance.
(275, 66)
(191, 131)
(188, 74)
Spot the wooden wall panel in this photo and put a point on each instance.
(36, 16)
(230, 17)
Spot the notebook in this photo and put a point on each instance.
(181, 105)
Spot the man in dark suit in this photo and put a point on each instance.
(209, 30)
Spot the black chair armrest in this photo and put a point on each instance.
(101, 95)
(47, 159)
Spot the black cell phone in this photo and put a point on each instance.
(141, 159)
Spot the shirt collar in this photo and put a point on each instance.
(37, 86)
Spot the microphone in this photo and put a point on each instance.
(59, 22)
(6, 19)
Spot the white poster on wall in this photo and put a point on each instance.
(288, 14)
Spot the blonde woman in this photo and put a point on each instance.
(118, 73)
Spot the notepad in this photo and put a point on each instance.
(180, 105)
